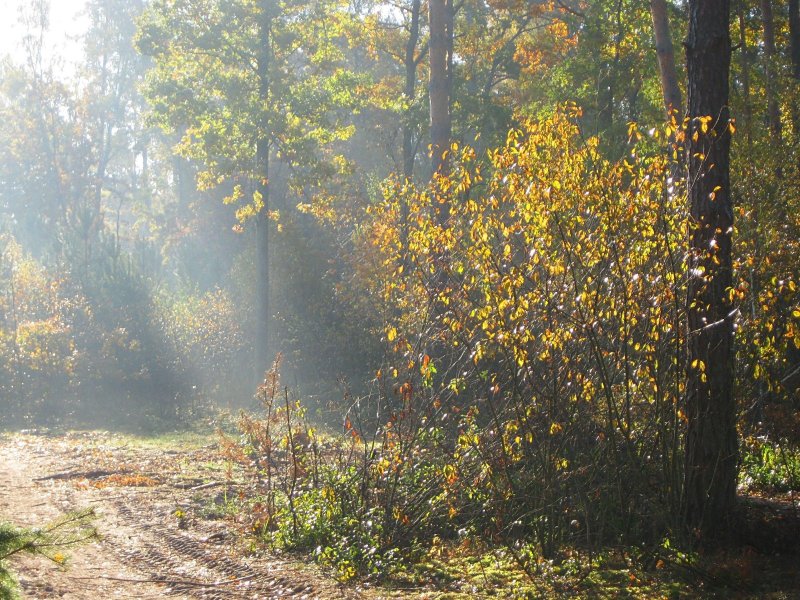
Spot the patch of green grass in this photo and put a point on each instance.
(467, 570)
(768, 465)
(172, 440)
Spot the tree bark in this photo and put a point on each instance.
(794, 36)
(262, 187)
(773, 109)
(794, 48)
(410, 63)
(711, 442)
(747, 107)
(673, 101)
(440, 17)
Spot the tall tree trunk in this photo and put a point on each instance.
(410, 63)
(794, 46)
(747, 106)
(673, 102)
(794, 36)
(711, 443)
(773, 110)
(440, 18)
(262, 187)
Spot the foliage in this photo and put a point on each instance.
(310, 494)
(50, 542)
(554, 322)
(205, 87)
(534, 387)
(770, 466)
(769, 356)
(64, 352)
(36, 341)
(205, 340)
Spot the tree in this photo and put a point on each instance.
(248, 85)
(773, 109)
(401, 36)
(711, 440)
(263, 142)
(440, 18)
(411, 61)
(673, 102)
(794, 51)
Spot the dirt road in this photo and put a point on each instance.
(154, 543)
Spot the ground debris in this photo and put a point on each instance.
(77, 475)
(146, 550)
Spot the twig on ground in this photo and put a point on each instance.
(211, 484)
(78, 475)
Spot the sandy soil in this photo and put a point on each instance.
(147, 549)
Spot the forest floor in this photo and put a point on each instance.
(167, 529)
(146, 548)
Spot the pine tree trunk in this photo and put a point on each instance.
(262, 188)
(440, 17)
(794, 49)
(673, 102)
(773, 110)
(410, 65)
(711, 442)
(409, 151)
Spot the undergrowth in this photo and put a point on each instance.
(388, 508)
(532, 395)
(770, 466)
(402, 509)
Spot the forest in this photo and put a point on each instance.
(463, 298)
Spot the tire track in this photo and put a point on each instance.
(146, 552)
(192, 566)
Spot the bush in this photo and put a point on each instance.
(541, 329)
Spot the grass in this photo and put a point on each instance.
(461, 572)
(769, 466)
(170, 440)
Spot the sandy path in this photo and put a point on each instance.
(30, 503)
(144, 551)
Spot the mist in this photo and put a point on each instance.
(131, 292)
(479, 298)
